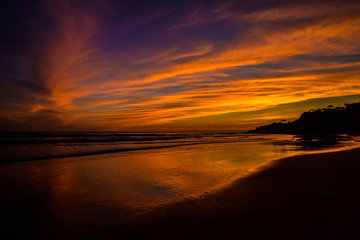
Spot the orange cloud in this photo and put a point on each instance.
(109, 88)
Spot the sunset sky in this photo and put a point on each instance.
(77, 65)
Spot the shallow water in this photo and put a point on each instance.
(134, 181)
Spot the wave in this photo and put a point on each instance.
(28, 146)
(89, 153)
(41, 138)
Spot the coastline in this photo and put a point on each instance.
(311, 196)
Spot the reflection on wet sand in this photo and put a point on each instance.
(66, 195)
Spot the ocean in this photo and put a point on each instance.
(26, 146)
(133, 172)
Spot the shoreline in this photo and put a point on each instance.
(74, 155)
(19, 159)
(309, 196)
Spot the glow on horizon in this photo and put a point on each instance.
(99, 72)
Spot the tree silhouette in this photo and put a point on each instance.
(326, 120)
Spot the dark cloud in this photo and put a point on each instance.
(289, 66)
(87, 61)
(34, 121)
(348, 58)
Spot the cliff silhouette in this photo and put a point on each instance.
(326, 120)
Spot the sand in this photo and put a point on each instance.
(313, 196)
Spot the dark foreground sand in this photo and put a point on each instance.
(303, 197)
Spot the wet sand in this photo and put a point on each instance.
(315, 196)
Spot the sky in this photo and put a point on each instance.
(91, 65)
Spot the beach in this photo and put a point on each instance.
(180, 120)
(309, 196)
(313, 196)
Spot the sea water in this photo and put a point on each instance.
(133, 172)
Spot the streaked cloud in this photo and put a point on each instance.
(95, 65)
